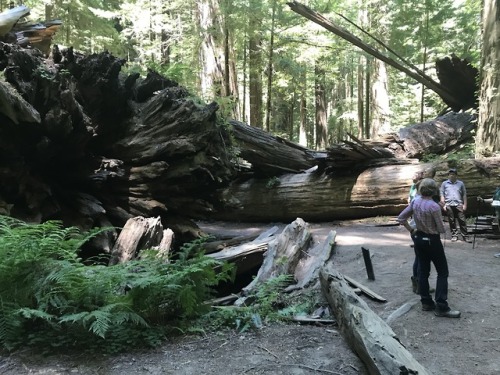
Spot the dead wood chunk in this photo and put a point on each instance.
(13, 106)
(214, 246)
(307, 270)
(165, 245)
(370, 293)
(138, 233)
(367, 334)
(283, 253)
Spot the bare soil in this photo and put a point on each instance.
(468, 346)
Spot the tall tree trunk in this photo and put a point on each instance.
(321, 118)
(380, 122)
(227, 86)
(48, 11)
(366, 124)
(270, 64)
(488, 135)
(361, 112)
(212, 72)
(230, 74)
(255, 63)
(303, 109)
(244, 114)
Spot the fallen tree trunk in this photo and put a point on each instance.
(272, 156)
(377, 191)
(268, 154)
(367, 334)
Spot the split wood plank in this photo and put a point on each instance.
(370, 293)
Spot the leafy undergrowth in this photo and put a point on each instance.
(52, 300)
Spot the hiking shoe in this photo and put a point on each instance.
(466, 239)
(428, 307)
(454, 238)
(447, 314)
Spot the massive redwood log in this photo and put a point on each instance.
(377, 191)
(83, 143)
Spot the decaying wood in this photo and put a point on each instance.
(305, 319)
(138, 233)
(270, 155)
(165, 244)
(364, 289)
(84, 143)
(367, 334)
(223, 300)
(214, 246)
(283, 254)
(307, 269)
(461, 78)
(437, 136)
(377, 191)
(400, 311)
(248, 255)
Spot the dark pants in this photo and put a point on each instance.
(415, 263)
(456, 213)
(429, 248)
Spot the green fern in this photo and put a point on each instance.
(51, 298)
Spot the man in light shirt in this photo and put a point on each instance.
(454, 201)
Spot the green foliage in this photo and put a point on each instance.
(273, 182)
(50, 298)
(464, 151)
(267, 303)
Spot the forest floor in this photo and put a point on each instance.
(466, 346)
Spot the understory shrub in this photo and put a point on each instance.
(50, 298)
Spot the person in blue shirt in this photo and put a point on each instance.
(453, 196)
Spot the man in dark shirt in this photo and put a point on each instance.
(454, 200)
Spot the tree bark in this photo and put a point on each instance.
(367, 334)
(488, 134)
(137, 234)
(255, 65)
(320, 106)
(270, 155)
(376, 191)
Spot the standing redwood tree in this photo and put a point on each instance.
(488, 137)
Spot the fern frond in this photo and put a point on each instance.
(35, 314)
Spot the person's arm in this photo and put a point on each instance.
(487, 200)
(404, 216)
(438, 219)
(441, 195)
